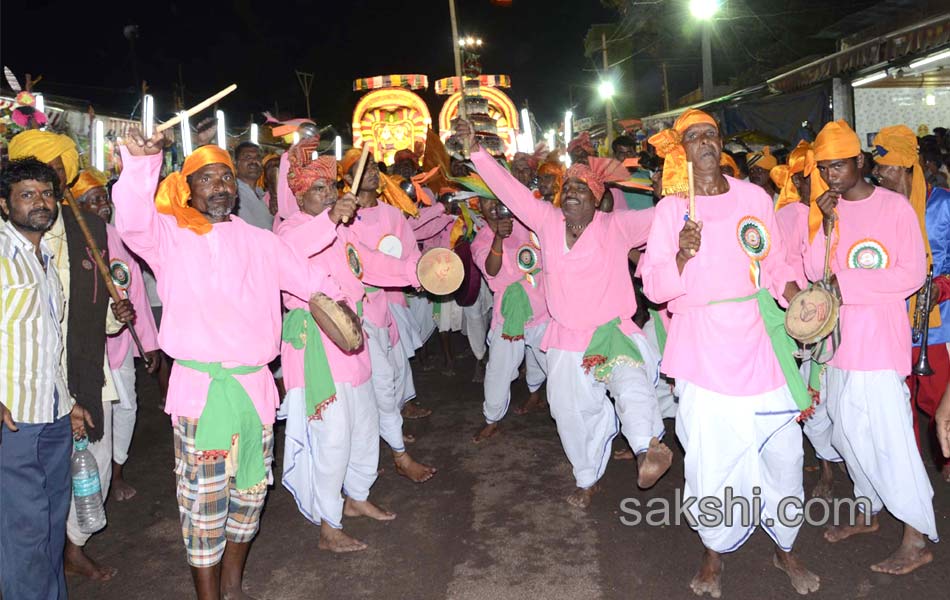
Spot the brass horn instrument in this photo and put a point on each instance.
(921, 329)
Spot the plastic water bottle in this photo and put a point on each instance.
(87, 490)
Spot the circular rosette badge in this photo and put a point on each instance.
(528, 262)
(754, 238)
(353, 260)
(121, 275)
(867, 254)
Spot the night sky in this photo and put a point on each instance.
(81, 52)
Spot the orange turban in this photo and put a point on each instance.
(304, 170)
(173, 193)
(897, 146)
(88, 179)
(597, 174)
(46, 146)
(763, 159)
(350, 158)
(669, 146)
(554, 167)
(725, 160)
(835, 140)
(801, 160)
(261, 183)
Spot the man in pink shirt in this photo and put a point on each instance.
(592, 343)
(739, 387)
(379, 225)
(791, 215)
(878, 261)
(219, 279)
(509, 256)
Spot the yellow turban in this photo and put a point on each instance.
(835, 140)
(801, 160)
(46, 146)
(897, 146)
(763, 160)
(173, 194)
(669, 146)
(725, 160)
(88, 179)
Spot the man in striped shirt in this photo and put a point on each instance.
(34, 401)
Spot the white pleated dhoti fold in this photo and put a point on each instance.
(409, 330)
(504, 361)
(336, 454)
(818, 426)
(392, 383)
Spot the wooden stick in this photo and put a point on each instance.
(358, 175)
(692, 191)
(828, 236)
(103, 267)
(197, 108)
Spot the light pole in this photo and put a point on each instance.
(606, 91)
(704, 10)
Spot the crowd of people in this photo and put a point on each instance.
(628, 307)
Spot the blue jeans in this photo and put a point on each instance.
(34, 501)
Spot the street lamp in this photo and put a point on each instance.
(704, 10)
(606, 89)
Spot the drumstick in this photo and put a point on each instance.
(692, 191)
(103, 268)
(360, 167)
(197, 108)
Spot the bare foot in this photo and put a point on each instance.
(535, 402)
(121, 490)
(410, 469)
(803, 580)
(335, 540)
(843, 532)
(911, 554)
(826, 481)
(413, 411)
(652, 464)
(75, 562)
(582, 496)
(485, 432)
(708, 580)
(365, 508)
(408, 438)
(623, 454)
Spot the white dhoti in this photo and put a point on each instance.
(586, 420)
(873, 432)
(409, 336)
(818, 426)
(338, 452)
(665, 397)
(102, 452)
(420, 308)
(476, 319)
(504, 360)
(449, 316)
(750, 446)
(390, 384)
(123, 411)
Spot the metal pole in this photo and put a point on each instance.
(457, 51)
(609, 124)
(707, 61)
(666, 89)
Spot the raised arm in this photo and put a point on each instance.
(509, 190)
(308, 237)
(635, 225)
(136, 218)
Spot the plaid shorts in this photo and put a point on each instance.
(212, 509)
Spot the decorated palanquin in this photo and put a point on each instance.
(391, 117)
(489, 109)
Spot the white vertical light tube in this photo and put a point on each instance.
(296, 137)
(526, 127)
(568, 129)
(549, 138)
(338, 147)
(185, 134)
(254, 133)
(148, 115)
(40, 102)
(222, 131)
(99, 146)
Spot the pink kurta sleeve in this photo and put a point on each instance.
(144, 320)
(530, 211)
(776, 271)
(311, 237)
(382, 270)
(136, 218)
(429, 223)
(481, 246)
(881, 286)
(410, 246)
(657, 267)
(635, 225)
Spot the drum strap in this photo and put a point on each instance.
(301, 331)
(783, 346)
(229, 411)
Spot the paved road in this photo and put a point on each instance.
(492, 525)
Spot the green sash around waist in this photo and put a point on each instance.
(301, 331)
(609, 347)
(516, 311)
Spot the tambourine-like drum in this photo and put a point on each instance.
(812, 315)
(440, 271)
(337, 321)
